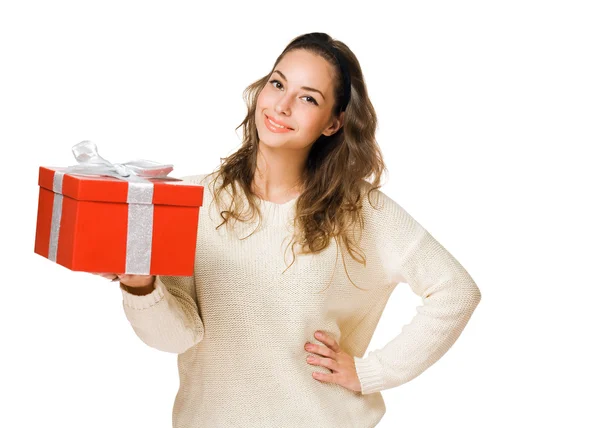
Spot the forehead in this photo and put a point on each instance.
(304, 68)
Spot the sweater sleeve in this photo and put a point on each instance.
(168, 318)
(449, 295)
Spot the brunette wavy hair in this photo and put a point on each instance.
(337, 167)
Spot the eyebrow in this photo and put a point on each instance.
(303, 87)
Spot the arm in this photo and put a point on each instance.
(448, 292)
(166, 314)
(168, 318)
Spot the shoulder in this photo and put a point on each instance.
(375, 199)
(201, 179)
(205, 180)
(384, 214)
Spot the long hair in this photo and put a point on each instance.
(336, 169)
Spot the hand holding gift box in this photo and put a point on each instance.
(128, 218)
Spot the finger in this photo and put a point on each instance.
(324, 377)
(321, 350)
(324, 362)
(331, 343)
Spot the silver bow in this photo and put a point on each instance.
(91, 163)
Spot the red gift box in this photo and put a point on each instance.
(106, 224)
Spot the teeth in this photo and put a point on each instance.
(274, 124)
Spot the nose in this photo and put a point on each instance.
(283, 105)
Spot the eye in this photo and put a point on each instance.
(312, 100)
(275, 81)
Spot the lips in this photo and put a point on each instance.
(278, 123)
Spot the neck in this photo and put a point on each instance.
(278, 173)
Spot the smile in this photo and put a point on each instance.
(273, 127)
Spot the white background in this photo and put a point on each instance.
(489, 114)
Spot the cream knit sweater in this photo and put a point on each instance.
(239, 325)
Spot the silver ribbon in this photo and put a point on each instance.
(139, 197)
(91, 163)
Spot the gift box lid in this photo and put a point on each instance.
(167, 190)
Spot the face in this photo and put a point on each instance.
(298, 95)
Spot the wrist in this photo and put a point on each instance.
(140, 291)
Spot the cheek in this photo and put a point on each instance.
(266, 99)
(260, 101)
(261, 105)
(313, 123)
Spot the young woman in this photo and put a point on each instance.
(246, 321)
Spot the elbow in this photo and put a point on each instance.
(470, 297)
(170, 343)
(474, 294)
(195, 339)
(463, 297)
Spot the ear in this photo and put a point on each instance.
(336, 124)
